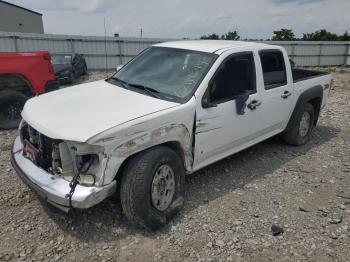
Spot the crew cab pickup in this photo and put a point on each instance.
(22, 75)
(172, 110)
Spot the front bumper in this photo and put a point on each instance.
(53, 188)
(64, 79)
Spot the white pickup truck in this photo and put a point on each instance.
(175, 108)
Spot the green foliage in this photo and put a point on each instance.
(345, 37)
(286, 35)
(283, 35)
(211, 37)
(321, 35)
(231, 36)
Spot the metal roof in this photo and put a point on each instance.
(20, 7)
(209, 46)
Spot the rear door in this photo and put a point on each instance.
(277, 89)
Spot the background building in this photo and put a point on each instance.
(14, 18)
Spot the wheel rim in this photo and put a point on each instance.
(12, 111)
(304, 124)
(163, 187)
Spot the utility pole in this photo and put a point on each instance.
(104, 25)
(141, 32)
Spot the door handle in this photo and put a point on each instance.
(253, 105)
(286, 94)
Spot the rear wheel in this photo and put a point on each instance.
(11, 105)
(152, 187)
(71, 78)
(300, 133)
(85, 70)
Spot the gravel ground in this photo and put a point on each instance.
(230, 206)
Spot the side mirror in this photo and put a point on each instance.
(119, 67)
(241, 103)
(206, 101)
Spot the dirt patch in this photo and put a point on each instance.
(230, 206)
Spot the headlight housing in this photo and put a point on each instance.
(86, 160)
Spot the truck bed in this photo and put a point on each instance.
(303, 74)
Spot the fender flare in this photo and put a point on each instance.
(315, 92)
(29, 86)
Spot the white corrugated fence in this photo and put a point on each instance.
(113, 51)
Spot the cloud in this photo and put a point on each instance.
(190, 18)
(81, 6)
(301, 2)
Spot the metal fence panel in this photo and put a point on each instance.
(303, 50)
(7, 45)
(119, 50)
(334, 50)
(331, 60)
(306, 60)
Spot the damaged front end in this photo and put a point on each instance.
(67, 174)
(65, 159)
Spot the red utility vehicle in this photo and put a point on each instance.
(22, 75)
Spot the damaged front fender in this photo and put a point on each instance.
(173, 127)
(172, 133)
(176, 134)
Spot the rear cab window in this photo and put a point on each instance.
(274, 68)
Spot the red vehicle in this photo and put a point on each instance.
(22, 75)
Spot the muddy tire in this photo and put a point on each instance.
(300, 133)
(152, 187)
(11, 105)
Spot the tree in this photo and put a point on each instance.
(231, 36)
(211, 37)
(283, 35)
(345, 36)
(321, 35)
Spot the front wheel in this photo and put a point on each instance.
(152, 187)
(11, 105)
(300, 133)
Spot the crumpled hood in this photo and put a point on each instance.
(79, 112)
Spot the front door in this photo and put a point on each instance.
(224, 128)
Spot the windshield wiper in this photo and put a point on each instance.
(126, 85)
(123, 83)
(149, 90)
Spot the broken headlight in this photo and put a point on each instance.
(87, 167)
(85, 160)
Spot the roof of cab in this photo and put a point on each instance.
(210, 46)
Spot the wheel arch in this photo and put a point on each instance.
(314, 96)
(173, 145)
(16, 82)
(174, 136)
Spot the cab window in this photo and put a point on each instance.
(274, 69)
(236, 76)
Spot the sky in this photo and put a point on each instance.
(190, 18)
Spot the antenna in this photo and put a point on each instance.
(104, 24)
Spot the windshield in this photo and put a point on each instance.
(61, 59)
(171, 73)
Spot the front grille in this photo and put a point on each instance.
(42, 143)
